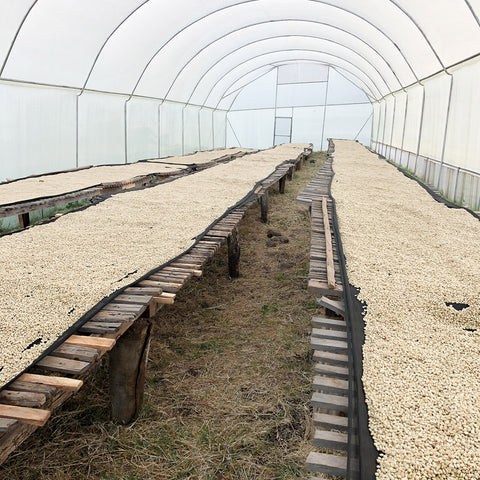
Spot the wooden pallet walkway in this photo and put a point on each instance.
(329, 341)
(122, 327)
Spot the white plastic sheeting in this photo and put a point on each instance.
(312, 101)
(183, 65)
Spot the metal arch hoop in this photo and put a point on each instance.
(291, 20)
(252, 1)
(16, 36)
(279, 37)
(365, 88)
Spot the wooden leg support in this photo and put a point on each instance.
(290, 173)
(24, 220)
(264, 207)
(233, 254)
(127, 371)
(281, 184)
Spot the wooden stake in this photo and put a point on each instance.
(24, 220)
(264, 206)
(127, 371)
(233, 245)
(328, 244)
(281, 184)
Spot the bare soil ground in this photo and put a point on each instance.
(229, 375)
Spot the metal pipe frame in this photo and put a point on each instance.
(293, 20)
(200, 79)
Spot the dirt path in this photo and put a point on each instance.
(229, 377)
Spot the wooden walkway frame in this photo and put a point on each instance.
(324, 277)
(124, 327)
(23, 209)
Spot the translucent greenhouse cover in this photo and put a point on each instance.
(135, 75)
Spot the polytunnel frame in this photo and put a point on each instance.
(293, 20)
(358, 15)
(200, 79)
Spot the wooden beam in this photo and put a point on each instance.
(24, 220)
(32, 416)
(127, 371)
(328, 244)
(233, 246)
(281, 184)
(61, 383)
(264, 207)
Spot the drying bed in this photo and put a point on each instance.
(199, 158)
(60, 270)
(64, 182)
(417, 265)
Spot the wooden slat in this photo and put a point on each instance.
(22, 399)
(99, 343)
(100, 327)
(6, 424)
(328, 242)
(62, 383)
(165, 298)
(32, 416)
(74, 352)
(20, 386)
(64, 365)
(135, 299)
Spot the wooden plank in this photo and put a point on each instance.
(135, 299)
(165, 298)
(62, 383)
(6, 424)
(146, 290)
(64, 365)
(20, 386)
(329, 250)
(100, 327)
(99, 343)
(74, 352)
(32, 416)
(109, 316)
(22, 399)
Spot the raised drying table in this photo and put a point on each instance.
(22, 196)
(124, 322)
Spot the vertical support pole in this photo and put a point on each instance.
(76, 130)
(24, 220)
(420, 132)
(442, 159)
(125, 109)
(159, 115)
(393, 126)
(281, 184)
(233, 246)
(275, 118)
(325, 110)
(456, 185)
(403, 133)
(264, 206)
(127, 371)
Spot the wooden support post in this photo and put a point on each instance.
(127, 370)
(281, 184)
(290, 173)
(264, 206)
(233, 254)
(24, 220)
(298, 165)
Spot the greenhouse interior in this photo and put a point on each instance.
(138, 136)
